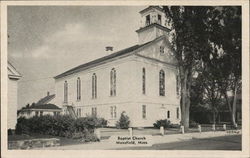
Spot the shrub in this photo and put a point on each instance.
(102, 122)
(10, 132)
(123, 122)
(61, 125)
(193, 124)
(175, 126)
(165, 123)
(22, 126)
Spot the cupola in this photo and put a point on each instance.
(153, 24)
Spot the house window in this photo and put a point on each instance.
(143, 81)
(78, 87)
(162, 83)
(41, 113)
(113, 112)
(177, 113)
(113, 82)
(143, 111)
(94, 86)
(147, 20)
(94, 111)
(37, 113)
(159, 19)
(65, 92)
(161, 49)
(177, 85)
(168, 114)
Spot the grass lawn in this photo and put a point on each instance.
(63, 141)
(107, 132)
(215, 143)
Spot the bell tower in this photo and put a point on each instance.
(153, 24)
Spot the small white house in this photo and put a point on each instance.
(13, 77)
(43, 107)
(39, 110)
(141, 80)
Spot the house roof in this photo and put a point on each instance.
(45, 100)
(105, 58)
(44, 106)
(41, 106)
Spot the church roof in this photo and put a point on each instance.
(105, 58)
(151, 7)
(152, 25)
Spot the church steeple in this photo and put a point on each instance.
(153, 24)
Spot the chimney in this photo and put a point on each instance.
(48, 93)
(109, 48)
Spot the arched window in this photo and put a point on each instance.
(94, 86)
(162, 83)
(143, 81)
(177, 113)
(177, 85)
(113, 82)
(78, 87)
(65, 92)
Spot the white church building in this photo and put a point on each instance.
(141, 80)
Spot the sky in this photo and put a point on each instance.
(45, 41)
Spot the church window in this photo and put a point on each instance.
(159, 19)
(143, 81)
(161, 49)
(147, 20)
(79, 112)
(143, 111)
(113, 112)
(94, 86)
(65, 92)
(177, 113)
(78, 87)
(94, 111)
(113, 82)
(177, 85)
(162, 83)
(168, 114)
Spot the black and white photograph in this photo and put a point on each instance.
(145, 77)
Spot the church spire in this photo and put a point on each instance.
(153, 24)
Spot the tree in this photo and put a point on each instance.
(123, 122)
(188, 39)
(27, 106)
(224, 25)
(232, 47)
(210, 81)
